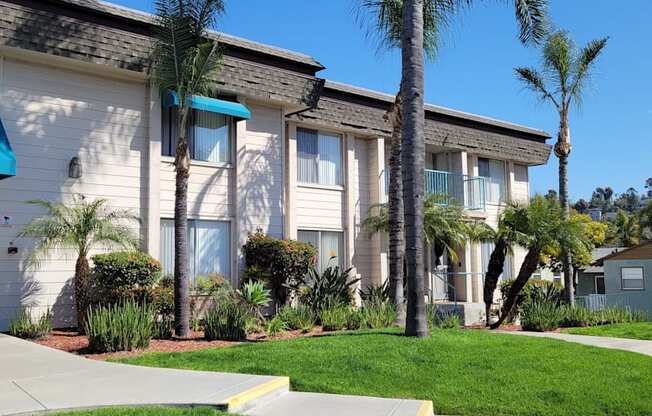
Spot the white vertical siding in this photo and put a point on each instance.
(521, 184)
(363, 254)
(52, 115)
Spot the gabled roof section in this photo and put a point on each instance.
(642, 251)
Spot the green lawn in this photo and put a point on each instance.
(146, 411)
(464, 372)
(640, 330)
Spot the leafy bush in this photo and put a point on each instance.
(163, 328)
(335, 318)
(378, 315)
(621, 316)
(574, 316)
(25, 326)
(210, 284)
(376, 293)
(443, 319)
(534, 290)
(541, 316)
(332, 287)
(276, 326)
(354, 320)
(255, 295)
(280, 262)
(122, 272)
(228, 319)
(300, 317)
(122, 326)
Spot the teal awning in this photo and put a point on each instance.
(213, 105)
(7, 157)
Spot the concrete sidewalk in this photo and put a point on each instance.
(34, 378)
(625, 344)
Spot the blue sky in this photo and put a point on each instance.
(611, 133)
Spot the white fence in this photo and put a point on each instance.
(593, 302)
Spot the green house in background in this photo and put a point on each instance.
(626, 280)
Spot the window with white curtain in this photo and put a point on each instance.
(632, 278)
(494, 171)
(209, 247)
(486, 248)
(329, 245)
(319, 157)
(209, 135)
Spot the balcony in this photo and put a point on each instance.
(470, 192)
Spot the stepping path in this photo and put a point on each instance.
(625, 344)
(34, 378)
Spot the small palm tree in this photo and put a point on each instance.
(624, 230)
(82, 226)
(184, 61)
(562, 81)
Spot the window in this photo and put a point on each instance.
(632, 278)
(599, 284)
(494, 171)
(486, 248)
(209, 247)
(319, 157)
(209, 135)
(329, 246)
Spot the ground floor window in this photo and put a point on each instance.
(599, 284)
(209, 247)
(329, 245)
(632, 278)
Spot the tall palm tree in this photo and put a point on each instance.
(561, 81)
(184, 61)
(82, 226)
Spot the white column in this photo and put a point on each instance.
(351, 197)
(238, 184)
(511, 178)
(291, 182)
(153, 221)
(377, 195)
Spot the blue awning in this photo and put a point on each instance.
(7, 157)
(213, 105)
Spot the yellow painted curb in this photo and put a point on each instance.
(240, 399)
(426, 409)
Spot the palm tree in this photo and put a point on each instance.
(624, 230)
(184, 61)
(82, 226)
(562, 80)
(544, 229)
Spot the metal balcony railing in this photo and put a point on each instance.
(467, 191)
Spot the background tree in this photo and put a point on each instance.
(562, 81)
(629, 200)
(83, 226)
(645, 220)
(581, 206)
(624, 230)
(184, 61)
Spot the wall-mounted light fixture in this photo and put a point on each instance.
(75, 168)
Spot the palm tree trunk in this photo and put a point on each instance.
(529, 266)
(82, 271)
(396, 214)
(413, 153)
(494, 270)
(562, 150)
(181, 278)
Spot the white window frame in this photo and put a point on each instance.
(192, 244)
(642, 279)
(341, 261)
(318, 183)
(168, 154)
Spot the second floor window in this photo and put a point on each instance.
(319, 157)
(494, 171)
(209, 135)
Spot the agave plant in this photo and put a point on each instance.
(332, 287)
(256, 296)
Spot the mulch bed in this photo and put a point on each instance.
(70, 341)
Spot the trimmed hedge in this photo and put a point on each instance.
(125, 271)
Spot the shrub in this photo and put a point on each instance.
(281, 262)
(443, 319)
(330, 288)
(122, 272)
(335, 318)
(275, 326)
(541, 316)
(354, 320)
(376, 294)
(122, 326)
(25, 326)
(228, 319)
(376, 316)
(300, 317)
(163, 328)
(161, 297)
(534, 290)
(574, 316)
(255, 295)
(210, 284)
